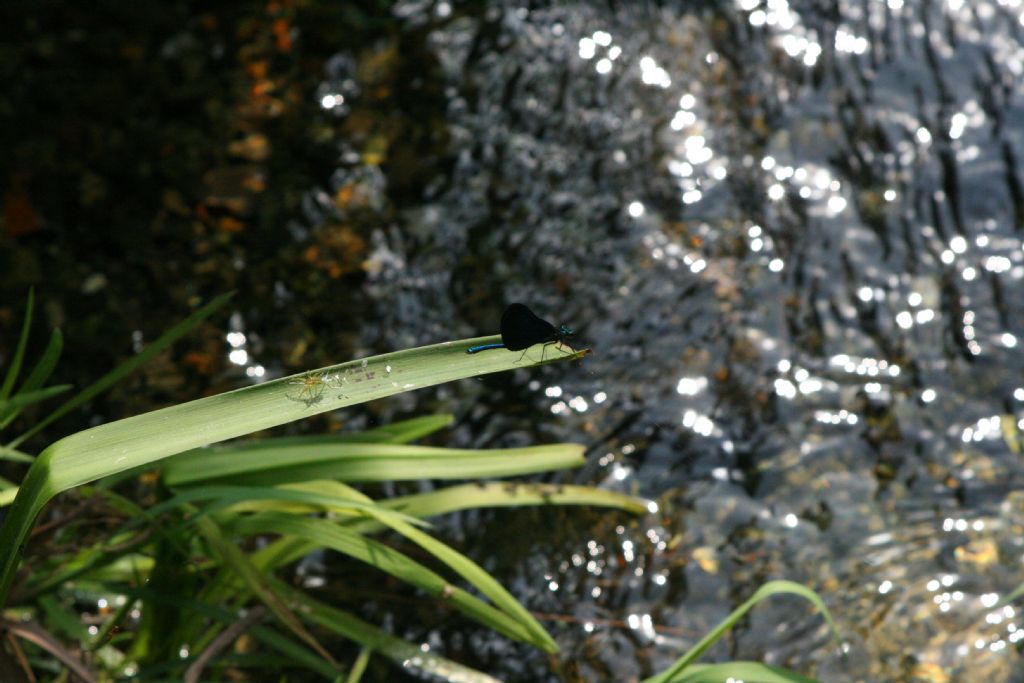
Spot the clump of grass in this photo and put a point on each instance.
(175, 585)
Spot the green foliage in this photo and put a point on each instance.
(199, 567)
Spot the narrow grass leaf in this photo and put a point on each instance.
(12, 406)
(406, 656)
(509, 494)
(748, 672)
(360, 462)
(390, 561)
(40, 373)
(469, 496)
(265, 634)
(477, 577)
(233, 557)
(19, 353)
(245, 496)
(397, 433)
(713, 636)
(355, 674)
(1014, 594)
(14, 455)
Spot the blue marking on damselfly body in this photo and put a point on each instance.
(484, 347)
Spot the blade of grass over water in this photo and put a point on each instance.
(145, 439)
(286, 550)
(491, 494)
(396, 433)
(477, 577)
(767, 590)
(225, 496)
(748, 672)
(327, 534)
(364, 462)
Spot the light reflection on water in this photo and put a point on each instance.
(793, 240)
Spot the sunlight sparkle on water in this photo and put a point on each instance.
(848, 42)
(691, 386)
(587, 48)
(652, 74)
(701, 424)
(332, 100)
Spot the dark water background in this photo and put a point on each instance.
(791, 231)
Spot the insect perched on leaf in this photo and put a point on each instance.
(313, 384)
(521, 328)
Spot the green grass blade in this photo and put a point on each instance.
(1014, 594)
(748, 672)
(108, 380)
(63, 620)
(507, 494)
(386, 559)
(246, 496)
(468, 496)
(298, 653)
(713, 636)
(404, 654)
(359, 667)
(360, 462)
(407, 430)
(40, 373)
(256, 582)
(478, 578)
(9, 408)
(14, 455)
(19, 352)
(144, 439)
(397, 433)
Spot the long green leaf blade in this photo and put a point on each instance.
(404, 654)
(390, 561)
(748, 672)
(477, 577)
(363, 462)
(19, 352)
(507, 494)
(13, 405)
(713, 636)
(234, 558)
(226, 496)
